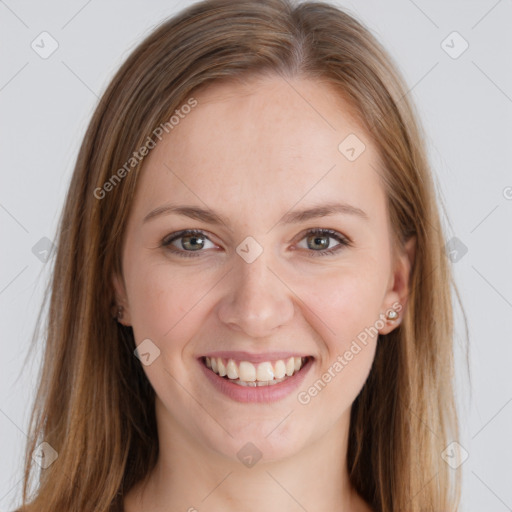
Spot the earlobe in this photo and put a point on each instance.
(405, 262)
(397, 295)
(120, 310)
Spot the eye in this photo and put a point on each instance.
(319, 240)
(192, 241)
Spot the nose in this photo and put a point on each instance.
(257, 300)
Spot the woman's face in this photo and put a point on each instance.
(255, 168)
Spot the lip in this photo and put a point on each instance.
(254, 358)
(258, 394)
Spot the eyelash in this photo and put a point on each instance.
(343, 241)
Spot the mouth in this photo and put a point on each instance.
(256, 374)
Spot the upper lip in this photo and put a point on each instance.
(255, 358)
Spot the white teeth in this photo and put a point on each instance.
(290, 366)
(221, 368)
(265, 372)
(279, 369)
(246, 373)
(231, 369)
(258, 384)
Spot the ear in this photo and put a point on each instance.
(398, 290)
(121, 299)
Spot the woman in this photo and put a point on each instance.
(251, 304)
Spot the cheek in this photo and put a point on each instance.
(344, 301)
(345, 310)
(162, 300)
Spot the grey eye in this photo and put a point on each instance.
(192, 242)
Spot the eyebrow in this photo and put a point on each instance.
(292, 217)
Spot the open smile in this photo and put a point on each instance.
(250, 380)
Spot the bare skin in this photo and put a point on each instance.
(253, 154)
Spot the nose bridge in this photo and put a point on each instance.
(256, 301)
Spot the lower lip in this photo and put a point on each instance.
(248, 394)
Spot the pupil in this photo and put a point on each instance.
(194, 239)
(324, 241)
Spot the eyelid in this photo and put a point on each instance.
(183, 232)
(343, 241)
(167, 241)
(324, 231)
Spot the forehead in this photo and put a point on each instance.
(269, 141)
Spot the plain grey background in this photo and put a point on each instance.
(463, 95)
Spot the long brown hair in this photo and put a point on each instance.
(95, 406)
